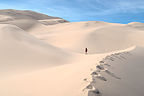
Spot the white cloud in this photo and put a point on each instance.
(133, 7)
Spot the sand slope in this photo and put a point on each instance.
(99, 37)
(24, 24)
(41, 60)
(123, 75)
(12, 15)
(19, 51)
(25, 14)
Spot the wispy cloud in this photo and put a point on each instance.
(83, 10)
(133, 7)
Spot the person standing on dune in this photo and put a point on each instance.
(86, 50)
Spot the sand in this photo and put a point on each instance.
(40, 59)
(99, 37)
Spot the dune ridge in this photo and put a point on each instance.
(127, 83)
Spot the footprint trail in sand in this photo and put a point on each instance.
(102, 67)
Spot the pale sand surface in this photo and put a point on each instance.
(127, 78)
(37, 59)
(99, 37)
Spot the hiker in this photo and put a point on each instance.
(86, 50)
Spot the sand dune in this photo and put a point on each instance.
(24, 24)
(41, 60)
(136, 25)
(21, 51)
(25, 14)
(10, 15)
(99, 37)
(124, 76)
(52, 21)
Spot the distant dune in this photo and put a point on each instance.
(25, 14)
(41, 55)
(99, 36)
(12, 15)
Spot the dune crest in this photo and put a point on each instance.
(117, 73)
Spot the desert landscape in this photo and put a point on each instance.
(41, 55)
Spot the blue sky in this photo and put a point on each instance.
(115, 11)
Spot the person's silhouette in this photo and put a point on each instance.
(86, 50)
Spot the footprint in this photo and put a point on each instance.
(101, 67)
(107, 65)
(94, 93)
(128, 53)
(116, 56)
(101, 62)
(94, 73)
(112, 74)
(85, 79)
(89, 86)
(123, 57)
(117, 53)
(109, 58)
(101, 78)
